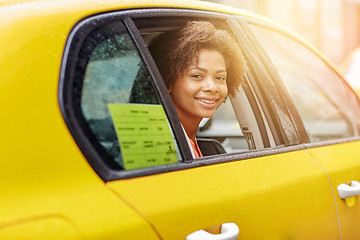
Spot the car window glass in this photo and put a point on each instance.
(329, 110)
(120, 103)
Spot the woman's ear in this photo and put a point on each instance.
(169, 89)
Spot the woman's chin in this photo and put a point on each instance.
(208, 114)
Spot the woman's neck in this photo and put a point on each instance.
(191, 128)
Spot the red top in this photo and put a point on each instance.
(196, 149)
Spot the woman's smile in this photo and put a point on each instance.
(206, 101)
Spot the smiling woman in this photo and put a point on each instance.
(200, 65)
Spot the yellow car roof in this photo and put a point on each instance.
(82, 8)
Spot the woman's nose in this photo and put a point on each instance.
(210, 85)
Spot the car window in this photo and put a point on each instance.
(328, 109)
(120, 103)
(120, 113)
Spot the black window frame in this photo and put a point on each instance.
(72, 118)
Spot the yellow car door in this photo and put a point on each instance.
(282, 196)
(341, 161)
(330, 112)
(276, 191)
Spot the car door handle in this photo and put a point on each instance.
(229, 231)
(346, 191)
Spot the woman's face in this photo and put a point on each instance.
(200, 90)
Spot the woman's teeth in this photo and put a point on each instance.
(205, 101)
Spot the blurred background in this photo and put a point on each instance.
(333, 26)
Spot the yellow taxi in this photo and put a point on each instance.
(89, 151)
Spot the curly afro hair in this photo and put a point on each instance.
(175, 51)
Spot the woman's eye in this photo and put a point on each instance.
(221, 78)
(197, 76)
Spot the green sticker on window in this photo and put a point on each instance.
(144, 135)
